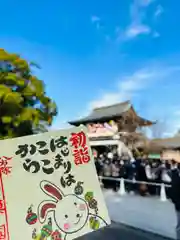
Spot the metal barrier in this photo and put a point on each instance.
(122, 190)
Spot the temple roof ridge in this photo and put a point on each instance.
(112, 105)
(109, 112)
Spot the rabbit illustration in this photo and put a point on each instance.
(70, 212)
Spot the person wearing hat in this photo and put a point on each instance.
(175, 193)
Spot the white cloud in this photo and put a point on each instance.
(174, 126)
(95, 19)
(159, 11)
(135, 30)
(131, 86)
(139, 24)
(105, 99)
(127, 87)
(138, 16)
(60, 124)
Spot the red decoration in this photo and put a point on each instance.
(2, 232)
(2, 206)
(81, 156)
(4, 168)
(78, 139)
(31, 218)
(56, 235)
(80, 151)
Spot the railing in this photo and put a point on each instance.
(122, 190)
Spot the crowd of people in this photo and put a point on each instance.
(112, 166)
(144, 170)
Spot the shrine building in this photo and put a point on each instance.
(108, 125)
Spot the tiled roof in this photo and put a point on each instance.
(110, 112)
(105, 112)
(173, 142)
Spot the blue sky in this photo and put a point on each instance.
(95, 53)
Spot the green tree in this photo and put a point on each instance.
(24, 107)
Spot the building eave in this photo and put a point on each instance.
(110, 112)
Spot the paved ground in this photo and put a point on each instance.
(146, 213)
(120, 232)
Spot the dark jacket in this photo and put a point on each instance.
(141, 174)
(130, 171)
(98, 167)
(175, 188)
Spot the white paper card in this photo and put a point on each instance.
(49, 188)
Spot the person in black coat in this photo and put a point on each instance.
(98, 166)
(175, 193)
(141, 176)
